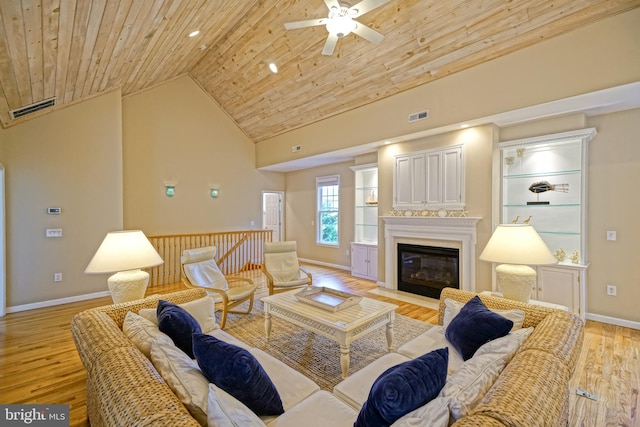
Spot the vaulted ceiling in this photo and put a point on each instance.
(76, 49)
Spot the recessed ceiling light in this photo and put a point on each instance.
(387, 142)
(464, 126)
(273, 67)
(194, 33)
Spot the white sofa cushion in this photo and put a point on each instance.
(223, 410)
(433, 414)
(354, 390)
(453, 307)
(141, 332)
(321, 409)
(227, 337)
(202, 309)
(183, 376)
(428, 341)
(470, 383)
(292, 386)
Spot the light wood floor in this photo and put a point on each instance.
(39, 363)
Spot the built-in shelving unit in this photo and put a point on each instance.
(544, 182)
(364, 248)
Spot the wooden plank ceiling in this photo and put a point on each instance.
(75, 49)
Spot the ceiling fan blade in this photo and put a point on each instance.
(365, 6)
(367, 33)
(304, 24)
(332, 3)
(330, 45)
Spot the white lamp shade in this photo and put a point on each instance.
(517, 244)
(124, 250)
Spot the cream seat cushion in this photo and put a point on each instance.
(354, 390)
(321, 409)
(430, 340)
(281, 261)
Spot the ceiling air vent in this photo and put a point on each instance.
(32, 108)
(421, 115)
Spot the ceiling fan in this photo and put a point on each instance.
(341, 22)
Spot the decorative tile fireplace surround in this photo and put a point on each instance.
(448, 232)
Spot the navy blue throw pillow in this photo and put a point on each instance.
(176, 322)
(404, 388)
(237, 372)
(474, 326)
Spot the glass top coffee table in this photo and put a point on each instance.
(343, 326)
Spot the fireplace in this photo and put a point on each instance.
(426, 270)
(457, 233)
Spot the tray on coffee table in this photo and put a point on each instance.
(327, 298)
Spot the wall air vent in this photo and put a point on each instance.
(421, 115)
(32, 108)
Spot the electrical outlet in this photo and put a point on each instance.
(611, 290)
(57, 277)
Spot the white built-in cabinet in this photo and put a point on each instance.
(364, 260)
(430, 179)
(555, 166)
(562, 285)
(364, 248)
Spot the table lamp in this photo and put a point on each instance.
(125, 252)
(516, 247)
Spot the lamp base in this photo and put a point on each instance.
(516, 281)
(128, 285)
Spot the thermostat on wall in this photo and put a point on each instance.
(54, 211)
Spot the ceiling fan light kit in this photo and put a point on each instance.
(341, 22)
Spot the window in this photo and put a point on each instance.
(327, 188)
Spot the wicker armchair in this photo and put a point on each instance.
(199, 270)
(282, 268)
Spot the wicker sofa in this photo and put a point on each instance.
(124, 388)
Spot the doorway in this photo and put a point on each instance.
(3, 260)
(273, 213)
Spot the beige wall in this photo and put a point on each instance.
(613, 204)
(601, 55)
(300, 213)
(72, 159)
(176, 132)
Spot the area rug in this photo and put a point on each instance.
(315, 356)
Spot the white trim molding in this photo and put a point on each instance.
(54, 302)
(613, 321)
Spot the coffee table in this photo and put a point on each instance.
(343, 326)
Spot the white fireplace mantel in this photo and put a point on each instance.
(457, 231)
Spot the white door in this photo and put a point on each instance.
(272, 216)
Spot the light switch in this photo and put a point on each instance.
(54, 232)
(611, 235)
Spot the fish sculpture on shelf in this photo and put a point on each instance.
(544, 186)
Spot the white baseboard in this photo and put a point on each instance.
(54, 302)
(326, 264)
(613, 321)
